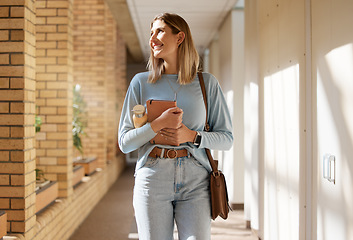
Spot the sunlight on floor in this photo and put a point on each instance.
(231, 229)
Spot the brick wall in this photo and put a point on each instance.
(111, 120)
(90, 72)
(38, 66)
(17, 101)
(121, 75)
(54, 91)
(116, 82)
(70, 214)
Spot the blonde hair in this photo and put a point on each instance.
(188, 58)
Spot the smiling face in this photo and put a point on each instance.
(163, 42)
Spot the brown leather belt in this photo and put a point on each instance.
(168, 153)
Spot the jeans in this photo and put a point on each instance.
(168, 190)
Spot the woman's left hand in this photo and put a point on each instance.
(180, 135)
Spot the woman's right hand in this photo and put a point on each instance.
(170, 118)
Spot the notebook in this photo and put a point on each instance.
(154, 109)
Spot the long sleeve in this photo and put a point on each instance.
(130, 138)
(220, 136)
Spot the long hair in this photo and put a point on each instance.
(188, 58)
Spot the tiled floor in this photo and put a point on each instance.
(112, 218)
(231, 229)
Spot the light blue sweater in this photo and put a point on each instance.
(190, 100)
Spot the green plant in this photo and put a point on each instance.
(38, 123)
(39, 175)
(79, 120)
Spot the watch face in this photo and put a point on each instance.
(198, 139)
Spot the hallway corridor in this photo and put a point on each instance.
(112, 218)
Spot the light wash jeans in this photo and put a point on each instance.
(172, 189)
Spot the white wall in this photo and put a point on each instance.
(282, 116)
(332, 67)
(252, 166)
(226, 62)
(299, 86)
(305, 84)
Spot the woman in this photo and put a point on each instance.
(172, 181)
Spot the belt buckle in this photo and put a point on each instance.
(175, 153)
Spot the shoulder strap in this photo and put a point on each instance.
(207, 126)
(203, 89)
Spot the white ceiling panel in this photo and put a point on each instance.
(203, 16)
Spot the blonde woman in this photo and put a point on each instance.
(172, 181)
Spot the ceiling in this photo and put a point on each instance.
(134, 17)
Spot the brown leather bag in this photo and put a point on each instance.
(218, 188)
(154, 109)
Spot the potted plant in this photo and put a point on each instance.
(46, 191)
(46, 195)
(41, 181)
(79, 119)
(79, 123)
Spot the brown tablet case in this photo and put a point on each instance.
(154, 109)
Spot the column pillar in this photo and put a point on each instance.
(17, 111)
(54, 91)
(90, 73)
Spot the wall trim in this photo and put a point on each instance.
(237, 206)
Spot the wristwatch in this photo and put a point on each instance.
(197, 139)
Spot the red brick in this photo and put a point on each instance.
(45, 12)
(18, 226)
(48, 111)
(12, 95)
(58, 4)
(4, 35)
(11, 46)
(4, 132)
(11, 191)
(12, 144)
(4, 156)
(17, 12)
(57, 36)
(17, 59)
(12, 71)
(13, 119)
(15, 215)
(18, 203)
(57, 20)
(17, 132)
(4, 83)
(18, 180)
(46, 77)
(4, 203)
(17, 83)
(4, 108)
(4, 11)
(17, 35)
(12, 168)
(4, 59)
(18, 156)
(4, 180)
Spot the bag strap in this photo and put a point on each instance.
(207, 126)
